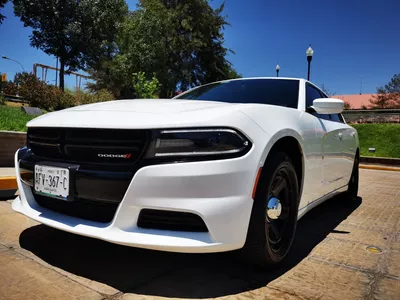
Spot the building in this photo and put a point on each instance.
(356, 101)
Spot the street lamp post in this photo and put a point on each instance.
(277, 68)
(5, 57)
(309, 54)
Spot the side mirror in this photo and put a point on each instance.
(328, 106)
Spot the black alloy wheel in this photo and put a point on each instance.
(274, 214)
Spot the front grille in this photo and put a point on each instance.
(88, 145)
(170, 220)
(96, 211)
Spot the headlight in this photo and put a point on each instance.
(197, 142)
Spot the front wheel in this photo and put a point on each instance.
(274, 214)
(352, 190)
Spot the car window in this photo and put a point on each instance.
(311, 94)
(337, 118)
(282, 92)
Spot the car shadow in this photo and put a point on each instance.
(177, 275)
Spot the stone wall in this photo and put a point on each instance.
(10, 142)
(372, 115)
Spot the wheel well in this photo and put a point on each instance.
(291, 147)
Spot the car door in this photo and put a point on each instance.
(349, 144)
(331, 144)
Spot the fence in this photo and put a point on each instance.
(372, 115)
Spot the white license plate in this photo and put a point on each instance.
(52, 181)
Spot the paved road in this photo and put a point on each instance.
(329, 259)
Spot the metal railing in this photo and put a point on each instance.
(13, 98)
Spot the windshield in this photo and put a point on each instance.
(280, 92)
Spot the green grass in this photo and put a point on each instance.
(13, 119)
(385, 138)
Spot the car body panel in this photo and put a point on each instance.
(219, 191)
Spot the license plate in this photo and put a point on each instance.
(52, 181)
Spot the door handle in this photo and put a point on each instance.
(340, 136)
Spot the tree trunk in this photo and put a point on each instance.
(62, 66)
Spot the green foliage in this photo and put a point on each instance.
(384, 137)
(78, 32)
(180, 41)
(2, 4)
(104, 95)
(2, 100)
(49, 97)
(98, 96)
(144, 88)
(39, 94)
(388, 96)
(33, 90)
(58, 99)
(13, 119)
(10, 88)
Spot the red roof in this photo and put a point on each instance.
(356, 101)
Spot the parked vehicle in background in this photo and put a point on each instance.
(228, 165)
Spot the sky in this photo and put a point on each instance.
(352, 39)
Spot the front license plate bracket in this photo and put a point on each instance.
(72, 176)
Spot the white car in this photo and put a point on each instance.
(228, 165)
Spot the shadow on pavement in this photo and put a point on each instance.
(177, 275)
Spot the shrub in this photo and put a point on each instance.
(99, 96)
(10, 88)
(2, 100)
(104, 95)
(60, 100)
(33, 90)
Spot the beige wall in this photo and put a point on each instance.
(10, 141)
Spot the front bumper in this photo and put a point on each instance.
(217, 191)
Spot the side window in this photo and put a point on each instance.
(337, 118)
(311, 94)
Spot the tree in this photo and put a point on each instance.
(388, 96)
(2, 4)
(76, 32)
(145, 88)
(180, 41)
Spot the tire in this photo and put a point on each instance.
(352, 190)
(268, 239)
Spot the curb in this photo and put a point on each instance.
(8, 183)
(380, 160)
(8, 187)
(379, 168)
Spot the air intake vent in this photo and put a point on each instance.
(170, 220)
(96, 211)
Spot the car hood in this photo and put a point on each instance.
(143, 113)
